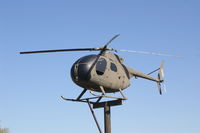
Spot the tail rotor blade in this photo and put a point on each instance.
(159, 88)
(161, 72)
(164, 87)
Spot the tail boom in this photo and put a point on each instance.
(158, 80)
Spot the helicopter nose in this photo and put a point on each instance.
(80, 70)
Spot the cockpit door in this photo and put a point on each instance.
(101, 66)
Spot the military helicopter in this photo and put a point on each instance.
(105, 72)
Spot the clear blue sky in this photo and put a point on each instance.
(31, 85)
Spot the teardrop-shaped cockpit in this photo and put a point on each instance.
(80, 70)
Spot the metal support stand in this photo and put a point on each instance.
(107, 115)
(106, 105)
(95, 119)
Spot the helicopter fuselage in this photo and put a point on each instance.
(106, 70)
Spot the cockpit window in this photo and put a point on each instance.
(113, 67)
(101, 66)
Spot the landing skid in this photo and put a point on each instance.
(96, 96)
(84, 100)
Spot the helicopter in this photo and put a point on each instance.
(105, 73)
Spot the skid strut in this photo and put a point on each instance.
(107, 96)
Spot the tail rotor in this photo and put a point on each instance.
(160, 83)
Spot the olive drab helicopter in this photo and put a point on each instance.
(105, 72)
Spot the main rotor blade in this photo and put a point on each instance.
(105, 46)
(61, 50)
(149, 53)
(77, 49)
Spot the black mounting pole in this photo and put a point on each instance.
(107, 120)
(107, 109)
